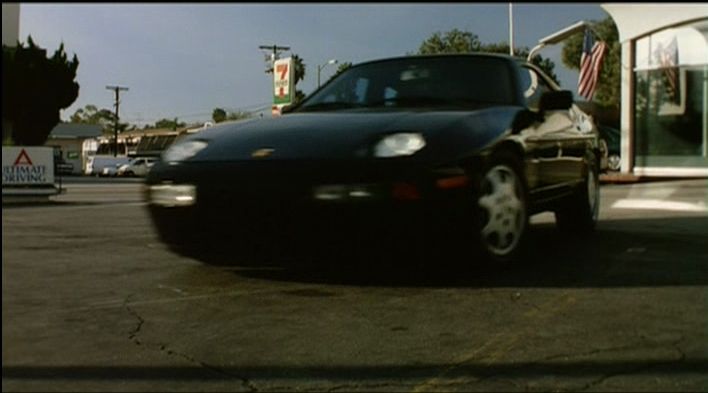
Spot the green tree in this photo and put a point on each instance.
(453, 41)
(299, 75)
(459, 41)
(238, 115)
(545, 64)
(218, 115)
(34, 89)
(607, 92)
(173, 124)
(90, 114)
(342, 67)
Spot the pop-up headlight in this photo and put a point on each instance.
(400, 144)
(181, 151)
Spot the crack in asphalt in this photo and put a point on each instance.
(589, 353)
(244, 381)
(132, 336)
(398, 387)
(365, 386)
(638, 369)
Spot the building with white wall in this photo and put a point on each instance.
(664, 109)
(10, 23)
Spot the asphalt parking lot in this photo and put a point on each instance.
(92, 301)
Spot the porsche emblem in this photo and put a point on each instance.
(261, 153)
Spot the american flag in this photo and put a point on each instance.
(590, 65)
(668, 59)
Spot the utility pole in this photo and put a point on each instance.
(117, 90)
(276, 52)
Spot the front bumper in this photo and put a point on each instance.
(190, 205)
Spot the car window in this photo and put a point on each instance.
(354, 93)
(451, 82)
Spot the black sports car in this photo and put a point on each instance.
(469, 145)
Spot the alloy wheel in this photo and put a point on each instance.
(503, 210)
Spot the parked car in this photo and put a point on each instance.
(138, 166)
(110, 170)
(469, 145)
(105, 165)
(610, 141)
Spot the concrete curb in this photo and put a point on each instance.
(619, 178)
(629, 178)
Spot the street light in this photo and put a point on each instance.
(320, 67)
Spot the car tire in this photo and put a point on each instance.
(579, 214)
(501, 209)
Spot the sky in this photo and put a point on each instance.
(185, 59)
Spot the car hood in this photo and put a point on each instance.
(347, 135)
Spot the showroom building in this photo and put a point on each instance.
(664, 109)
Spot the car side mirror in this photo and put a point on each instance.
(525, 119)
(556, 100)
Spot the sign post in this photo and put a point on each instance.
(283, 86)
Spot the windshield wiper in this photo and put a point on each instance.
(329, 106)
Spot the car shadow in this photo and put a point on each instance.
(620, 253)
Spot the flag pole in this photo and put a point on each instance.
(511, 30)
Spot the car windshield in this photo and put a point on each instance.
(440, 82)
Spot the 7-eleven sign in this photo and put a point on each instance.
(283, 77)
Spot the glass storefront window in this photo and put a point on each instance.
(671, 94)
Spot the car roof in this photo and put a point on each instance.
(438, 55)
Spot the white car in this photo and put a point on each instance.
(138, 166)
(105, 165)
(110, 170)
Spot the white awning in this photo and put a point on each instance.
(638, 19)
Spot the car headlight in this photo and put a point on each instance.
(400, 144)
(183, 150)
(173, 195)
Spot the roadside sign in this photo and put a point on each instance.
(24, 165)
(283, 77)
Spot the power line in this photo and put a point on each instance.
(251, 108)
(274, 56)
